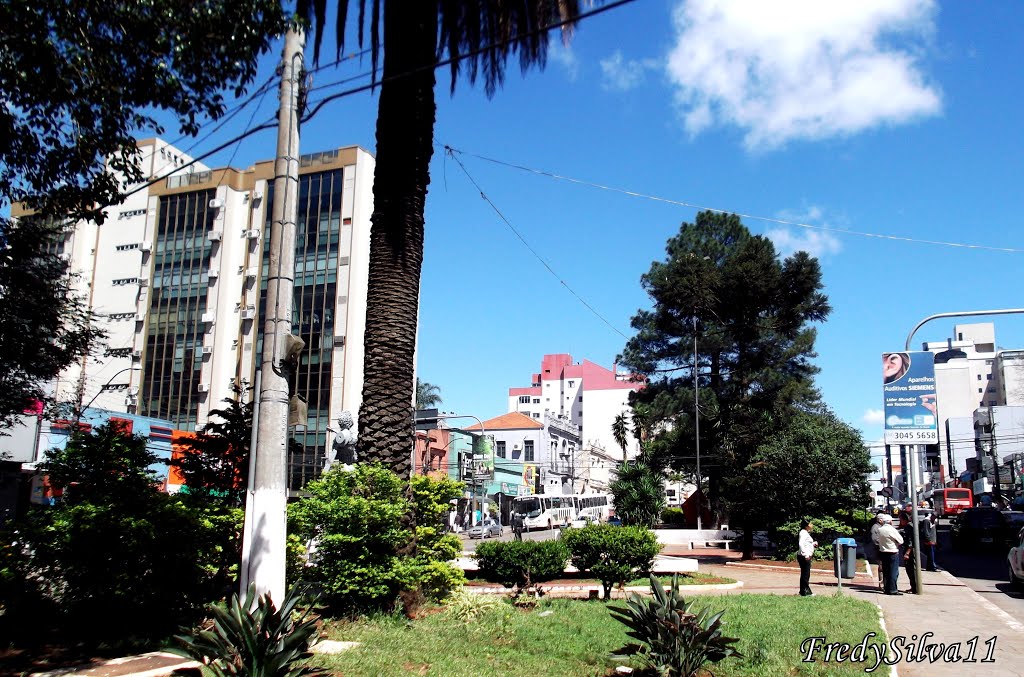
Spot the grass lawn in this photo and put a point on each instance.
(576, 637)
(691, 578)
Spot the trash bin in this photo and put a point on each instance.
(845, 551)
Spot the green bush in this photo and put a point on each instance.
(673, 517)
(826, 530)
(361, 522)
(676, 642)
(612, 554)
(121, 560)
(521, 564)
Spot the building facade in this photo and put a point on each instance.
(564, 389)
(178, 276)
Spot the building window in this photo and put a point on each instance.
(536, 400)
(528, 451)
(499, 448)
(581, 398)
(988, 377)
(536, 415)
(992, 403)
(524, 399)
(979, 377)
(981, 390)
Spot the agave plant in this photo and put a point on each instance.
(254, 638)
(676, 642)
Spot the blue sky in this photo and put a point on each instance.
(893, 117)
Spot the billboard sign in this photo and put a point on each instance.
(908, 384)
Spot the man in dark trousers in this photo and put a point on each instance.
(517, 525)
(929, 536)
(804, 555)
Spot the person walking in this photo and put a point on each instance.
(517, 525)
(805, 554)
(889, 542)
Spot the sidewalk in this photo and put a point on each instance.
(949, 610)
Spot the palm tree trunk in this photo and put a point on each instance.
(405, 135)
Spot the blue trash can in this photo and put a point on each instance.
(845, 550)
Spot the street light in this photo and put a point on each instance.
(104, 386)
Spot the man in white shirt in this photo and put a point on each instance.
(804, 555)
(889, 541)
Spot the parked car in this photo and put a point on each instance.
(1013, 523)
(486, 529)
(978, 528)
(582, 521)
(615, 521)
(1015, 562)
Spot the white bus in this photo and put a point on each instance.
(546, 511)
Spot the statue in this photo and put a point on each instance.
(344, 445)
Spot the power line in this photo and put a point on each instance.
(692, 205)
(532, 250)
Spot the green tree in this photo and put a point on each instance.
(816, 466)
(215, 463)
(613, 554)
(639, 492)
(752, 314)
(44, 325)
(428, 395)
(79, 78)
(620, 433)
(415, 37)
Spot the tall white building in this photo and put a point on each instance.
(564, 389)
(177, 274)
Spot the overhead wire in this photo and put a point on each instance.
(533, 251)
(718, 210)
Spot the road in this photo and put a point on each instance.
(469, 544)
(983, 572)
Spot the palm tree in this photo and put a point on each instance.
(620, 432)
(416, 37)
(428, 395)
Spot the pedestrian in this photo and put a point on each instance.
(908, 550)
(889, 542)
(517, 525)
(874, 555)
(460, 520)
(929, 536)
(804, 556)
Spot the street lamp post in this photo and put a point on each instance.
(696, 419)
(104, 387)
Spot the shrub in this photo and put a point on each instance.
(521, 564)
(613, 554)
(675, 641)
(367, 555)
(673, 517)
(826, 530)
(638, 493)
(253, 637)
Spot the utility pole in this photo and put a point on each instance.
(696, 421)
(263, 553)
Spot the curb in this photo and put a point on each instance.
(769, 567)
(881, 621)
(114, 662)
(500, 589)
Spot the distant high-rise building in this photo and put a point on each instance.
(564, 389)
(178, 274)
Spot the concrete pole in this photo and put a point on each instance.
(696, 421)
(266, 561)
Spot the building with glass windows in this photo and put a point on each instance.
(177, 275)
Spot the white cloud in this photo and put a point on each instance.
(801, 69)
(790, 239)
(566, 58)
(621, 74)
(873, 417)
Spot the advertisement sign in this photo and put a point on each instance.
(483, 458)
(529, 476)
(909, 388)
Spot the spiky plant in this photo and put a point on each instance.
(254, 638)
(676, 642)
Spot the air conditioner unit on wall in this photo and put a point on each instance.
(213, 236)
(216, 203)
(203, 387)
(207, 318)
(249, 313)
(137, 354)
(517, 447)
(146, 246)
(207, 350)
(253, 234)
